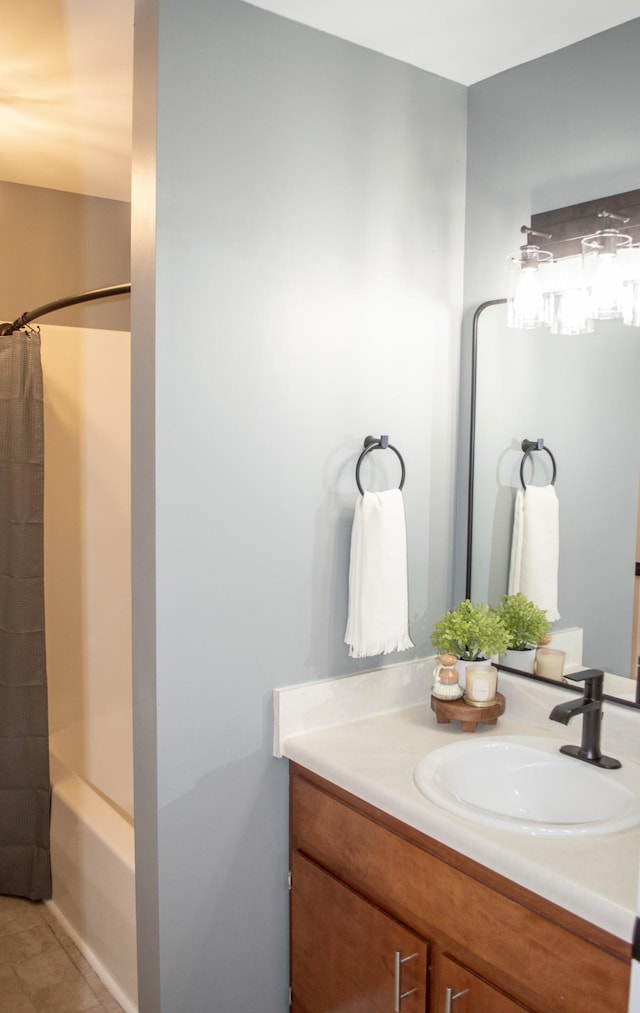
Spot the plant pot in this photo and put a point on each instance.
(524, 661)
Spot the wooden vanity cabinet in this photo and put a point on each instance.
(385, 918)
(350, 955)
(468, 993)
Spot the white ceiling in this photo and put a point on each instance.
(66, 68)
(464, 40)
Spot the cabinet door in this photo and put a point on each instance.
(467, 992)
(347, 956)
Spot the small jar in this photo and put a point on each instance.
(480, 685)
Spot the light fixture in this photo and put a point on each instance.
(526, 303)
(630, 258)
(583, 274)
(603, 278)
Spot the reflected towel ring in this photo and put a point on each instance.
(372, 443)
(527, 447)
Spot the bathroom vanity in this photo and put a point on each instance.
(399, 905)
(366, 886)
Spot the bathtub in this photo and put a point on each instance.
(92, 858)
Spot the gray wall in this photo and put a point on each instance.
(58, 244)
(550, 133)
(306, 291)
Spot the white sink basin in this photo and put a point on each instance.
(524, 784)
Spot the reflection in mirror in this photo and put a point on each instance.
(579, 394)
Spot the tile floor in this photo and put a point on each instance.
(41, 969)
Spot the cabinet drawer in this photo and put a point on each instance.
(467, 993)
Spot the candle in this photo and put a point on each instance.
(480, 685)
(550, 663)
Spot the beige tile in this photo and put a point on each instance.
(112, 1006)
(79, 961)
(47, 914)
(103, 993)
(65, 997)
(46, 970)
(12, 995)
(17, 914)
(30, 942)
(60, 934)
(54, 985)
(41, 968)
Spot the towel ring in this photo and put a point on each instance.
(527, 447)
(372, 443)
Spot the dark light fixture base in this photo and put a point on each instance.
(568, 225)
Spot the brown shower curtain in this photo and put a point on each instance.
(24, 744)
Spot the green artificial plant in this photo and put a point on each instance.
(471, 632)
(527, 624)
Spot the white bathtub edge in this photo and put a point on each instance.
(93, 867)
(99, 816)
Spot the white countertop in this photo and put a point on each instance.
(374, 758)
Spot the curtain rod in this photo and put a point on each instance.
(59, 304)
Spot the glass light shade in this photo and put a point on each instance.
(603, 275)
(630, 268)
(568, 300)
(527, 304)
(631, 303)
(570, 312)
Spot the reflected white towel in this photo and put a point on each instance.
(378, 620)
(535, 548)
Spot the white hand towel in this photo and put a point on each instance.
(378, 620)
(535, 548)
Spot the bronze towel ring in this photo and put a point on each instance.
(372, 443)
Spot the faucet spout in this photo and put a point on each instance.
(590, 706)
(564, 712)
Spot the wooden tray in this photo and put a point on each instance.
(468, 715)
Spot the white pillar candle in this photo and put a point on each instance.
(550, 663)
(480, 685)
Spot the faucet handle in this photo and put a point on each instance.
(591, 674)
(593, 679)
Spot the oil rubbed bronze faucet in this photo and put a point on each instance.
(590, 706)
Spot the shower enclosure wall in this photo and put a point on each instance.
(88, 633)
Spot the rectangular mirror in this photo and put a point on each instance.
(579, 394)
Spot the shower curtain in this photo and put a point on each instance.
(25, 793)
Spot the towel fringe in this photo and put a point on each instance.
(402, 643)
